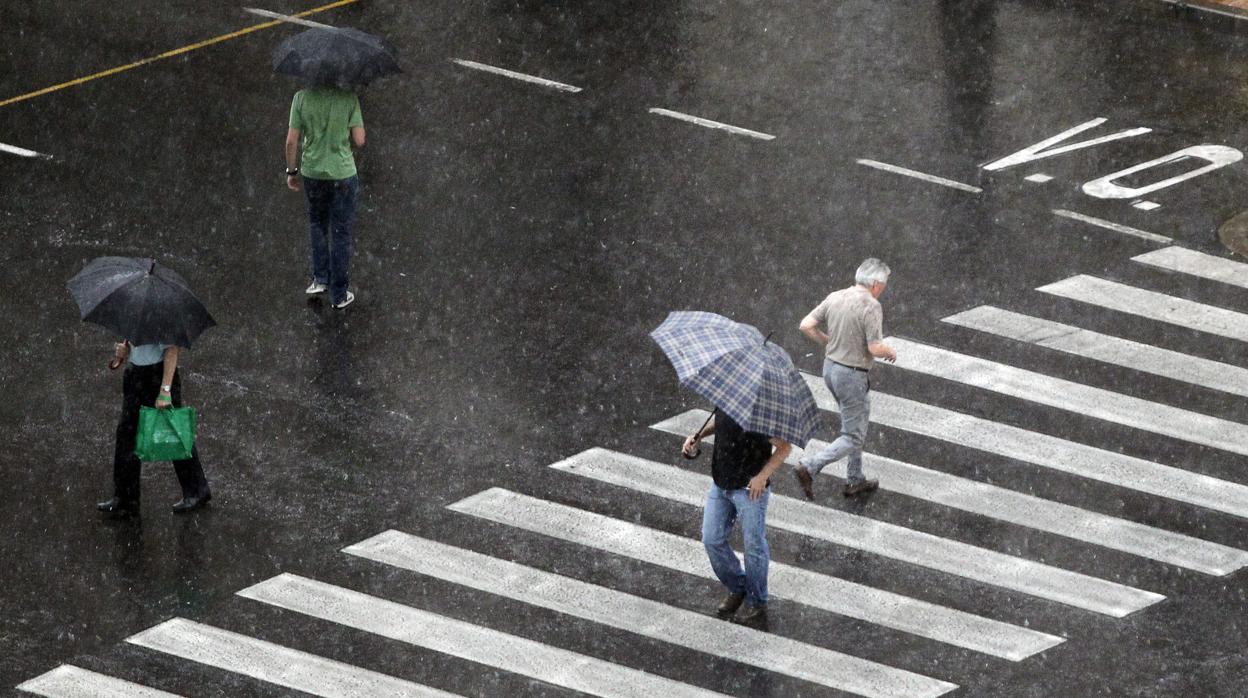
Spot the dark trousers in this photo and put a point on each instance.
(331, 215)
(140, 386)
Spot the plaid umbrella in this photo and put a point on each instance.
(736, 368)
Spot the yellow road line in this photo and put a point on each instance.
(170, 54)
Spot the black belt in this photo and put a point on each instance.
(864, 370)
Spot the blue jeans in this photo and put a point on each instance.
(331, 214)
(723, 507)
(851, 390)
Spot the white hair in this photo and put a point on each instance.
(871, 271)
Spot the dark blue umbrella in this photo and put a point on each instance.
(345, 58)
(742, 373)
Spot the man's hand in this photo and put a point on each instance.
(880, 350)
(292, 182)
(690, 449)
(163, 401)
(758, 484)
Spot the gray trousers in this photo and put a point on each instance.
(850, 388)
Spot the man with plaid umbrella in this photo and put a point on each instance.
(762, 407)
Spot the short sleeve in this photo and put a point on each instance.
(873, 323)
(819, 315)
(357, 115)
(296, 109)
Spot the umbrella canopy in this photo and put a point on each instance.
(139, 300)
(343, 58)
(733, 366)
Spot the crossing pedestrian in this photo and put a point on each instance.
(742, 464)
(325, 122)
(151, 378)
(849, 324)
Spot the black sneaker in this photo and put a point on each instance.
(861, 487)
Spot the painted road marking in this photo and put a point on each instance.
(712, 124)
(1152, 305)
(1081, 399)
(1205, 266)
(22, 152)
(474, 643)
(1045, 149)
(1187, 5)
(170, 54)
(646, 617)
(896, 169)
(1048, 451)
(827, 593)
(1038, 178)
(1166, 363)
(517, 76)
(876, 537)
(289, 19)
(1022, 509)
(1147, 205)
(1116, 227)
(68, 681)
(274, 664)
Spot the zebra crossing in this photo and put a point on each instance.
(936, 558)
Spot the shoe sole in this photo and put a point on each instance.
(848, 492)
(340, 306)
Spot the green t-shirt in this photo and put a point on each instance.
(325, 117)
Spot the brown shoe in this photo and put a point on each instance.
(754, 615)
(730, 604)
(805, 480)
(860, 487)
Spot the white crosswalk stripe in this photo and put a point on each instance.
(647, 617)
(877, 537)
(69, 681)
(1166, 363)
(1048, 451)
(1205, 266)
(1152, 305)
(1022, 509)
(275, 664)
(457, 638)
(1075, 397)
(824, 592)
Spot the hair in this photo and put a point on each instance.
(871, 271)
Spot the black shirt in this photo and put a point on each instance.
(739, 454)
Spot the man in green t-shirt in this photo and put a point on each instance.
(325, 122)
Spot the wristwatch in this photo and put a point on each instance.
(291, 172)
(166, 388)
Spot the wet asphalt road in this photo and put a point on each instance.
(515, 244)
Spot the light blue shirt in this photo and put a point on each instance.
(148, 354)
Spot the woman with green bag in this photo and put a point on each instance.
(151, 378)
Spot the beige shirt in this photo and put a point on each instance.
(852, 319)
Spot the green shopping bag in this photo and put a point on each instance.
(167, 434)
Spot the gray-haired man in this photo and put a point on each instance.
(850, 324)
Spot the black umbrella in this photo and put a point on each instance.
(339, 57)
(139, 300)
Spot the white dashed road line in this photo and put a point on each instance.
(712, 124)
(896, 169)
(516, 76)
